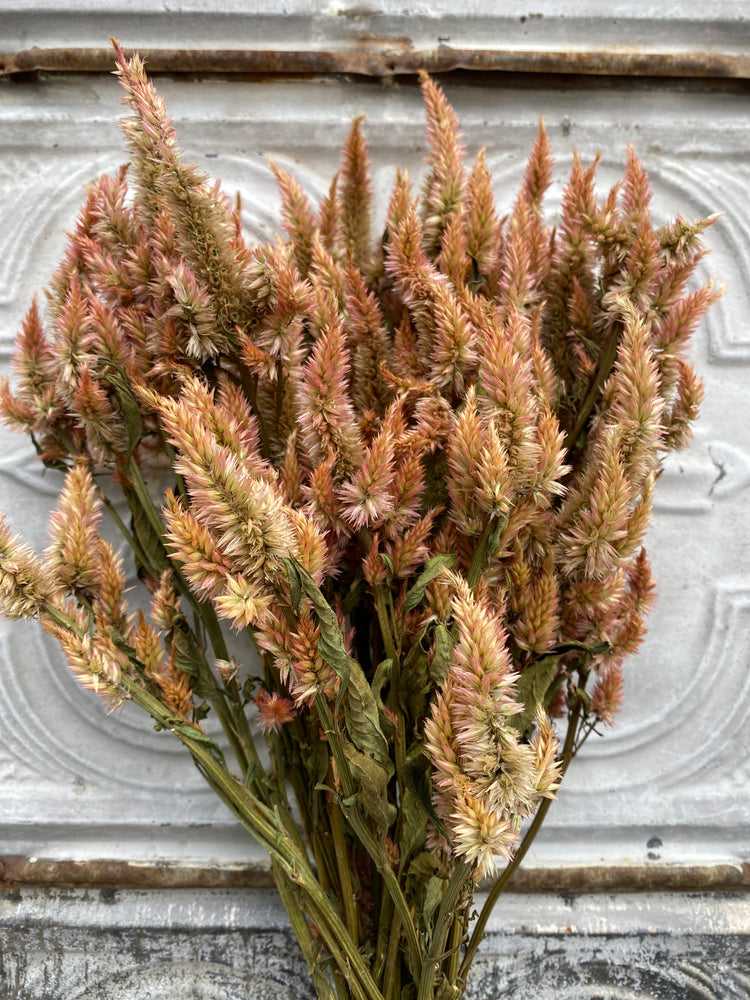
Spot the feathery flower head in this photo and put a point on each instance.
(274, 711)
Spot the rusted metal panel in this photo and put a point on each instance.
(397, 57)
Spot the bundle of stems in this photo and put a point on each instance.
(415, 471)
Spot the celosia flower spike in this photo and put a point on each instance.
(73, 551)
(480, 220)
(355, 188)
(25, 582)
(445, 181)
(297, 218)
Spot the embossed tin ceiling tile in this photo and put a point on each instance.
(675, 770)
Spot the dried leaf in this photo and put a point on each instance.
(443, 644)
(372, 779)
(433, 567)
(532, 687)
(362, 717)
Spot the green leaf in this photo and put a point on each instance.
(425, 884)
(414, 677)
(485, 549)
(433, 897)
(372, 779)
(532, 687)
(381, 678)
(131, 412)
(388, 562)
(178, 726)
(295, 585)
(189, 661)
(362, 717)
(149, 542)
(413, 826)
(433, 567)
(444, 644)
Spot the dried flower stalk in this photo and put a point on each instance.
(417, 473)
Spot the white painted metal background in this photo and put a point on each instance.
(672, 782)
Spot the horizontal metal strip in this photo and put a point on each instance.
(567, 879)
(381, 62)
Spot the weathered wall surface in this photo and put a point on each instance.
(664, 799)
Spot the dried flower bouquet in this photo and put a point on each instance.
(416, 471)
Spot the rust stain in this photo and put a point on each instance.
(632, 878)
(379, 57)
(16, 870)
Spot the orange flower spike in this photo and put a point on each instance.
(464, 453)
(327, 421)
(73, 552)
(203, 564)
(329, 222)
(684, 410)
(480, 218)
(454, 360)
(366, 499)
(297, 218)
(444, 186)
(453, 260)
(356, 193)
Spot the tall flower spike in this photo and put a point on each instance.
(538, 176)
(93, 658)
(355, 189)
(245, 514)
(202, 216)
(205, 567)
(464, 452)
(480, 219)
(73, 551)
(633, 401)
(297, 217)
(366, 499)
(369, 343)
(149, 134)
(445, 182)
(327, 421)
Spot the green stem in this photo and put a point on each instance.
(243, 749)
(384, 621)
(366, 837)
(387, 918)
(381, 609)
(302, 931)
(392, 965)
(458, 929)
(499, 887)
(342, 863)
(270, 832)
(443, 924)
